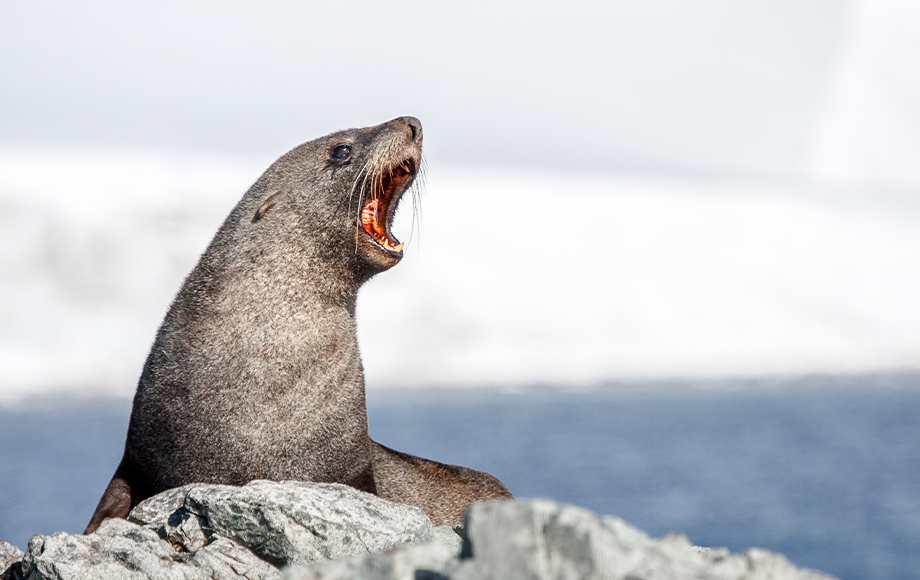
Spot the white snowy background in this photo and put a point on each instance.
(614, 190)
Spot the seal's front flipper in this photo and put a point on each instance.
(116, 501)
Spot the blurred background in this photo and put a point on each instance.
(677, 198)
(614, 190)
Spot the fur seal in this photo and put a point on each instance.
(255, 371)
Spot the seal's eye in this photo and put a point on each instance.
(341, 151)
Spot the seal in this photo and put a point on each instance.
(255, 371)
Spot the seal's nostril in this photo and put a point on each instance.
(416, 127)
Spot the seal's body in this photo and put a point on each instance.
(255, 372)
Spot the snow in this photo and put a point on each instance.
(713, 189)
(510, 278)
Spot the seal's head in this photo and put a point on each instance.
(335, 198)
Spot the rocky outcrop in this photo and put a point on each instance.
(224, 532)
(305, 531)
(545, 540)
(124, 550)
(283, 524)
(9, 554)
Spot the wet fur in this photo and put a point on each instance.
(255, 372)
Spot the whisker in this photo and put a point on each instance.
(418, 185)
(361, 199)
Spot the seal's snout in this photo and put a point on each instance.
(415, 126)
(394, 153)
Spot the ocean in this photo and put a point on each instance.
(823, 469)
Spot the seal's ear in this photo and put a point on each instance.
(266, 205)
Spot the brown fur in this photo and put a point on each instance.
(444, 491)
(255, 372)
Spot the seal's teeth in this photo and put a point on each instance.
(398, 247)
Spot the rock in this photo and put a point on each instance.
(285, 523)
(9, 555)
(448, 536)
(224, 558)
(541, 539)
(124, 550)
(297, 523)
(155, 511)
(333, 532)
(419, 562)
(544, 540)
(164, 511)
(221, 532)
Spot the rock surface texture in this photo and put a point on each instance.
(307, 531)
(224, 532)
(544, 540)
(9, 554)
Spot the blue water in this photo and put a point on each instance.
(823, 469)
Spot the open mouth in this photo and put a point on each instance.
(380, 205)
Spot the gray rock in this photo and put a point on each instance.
(447, 536)
(118, 550)
(223, 558)
(124, 550)
(543, 540)
(221, 532)
(540, 539)
(155, 511)
(285, 523)
(295, 522)
(9, 555)
(415, 562)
